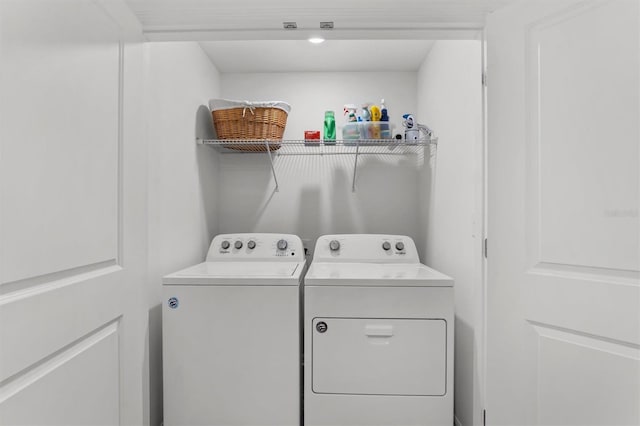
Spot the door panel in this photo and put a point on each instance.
(60, 164)
(605, 373)
(88, 395)
(72, 242)
(583, 98)
(37, 322)
(563, 296)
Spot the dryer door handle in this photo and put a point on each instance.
(378, 330)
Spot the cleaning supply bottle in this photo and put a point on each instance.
(375, 118)
(329, 128)
(411, 133)
(366, 115)
(385, 129)
(351, 128)
(350, 112)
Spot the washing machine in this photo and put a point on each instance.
(378, 335)
(231, 334)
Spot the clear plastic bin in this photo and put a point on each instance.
(351, 131)
(367, 130)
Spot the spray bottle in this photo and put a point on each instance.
(350, 129)
(385, 129)
(350, 112)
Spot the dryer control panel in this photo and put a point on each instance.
(363, 248)
(256, 247)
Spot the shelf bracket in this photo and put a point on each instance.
(273, 170)
(355, 167)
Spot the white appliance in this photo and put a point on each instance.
(378, 326)
(231, 334)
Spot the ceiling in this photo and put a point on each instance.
(248, 35)
(302, 56)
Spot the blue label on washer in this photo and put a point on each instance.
(173, 303)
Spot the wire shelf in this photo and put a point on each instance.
(339, 147)
(355, 148)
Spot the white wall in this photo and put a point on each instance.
(450, 102)
(315, 194)
(195, 193)
(182, 177)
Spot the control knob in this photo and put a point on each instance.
(400, 246)
(334, 245)
(238, 244)
(225, 245)
(282, 245)
(251, 244)
(386, 246)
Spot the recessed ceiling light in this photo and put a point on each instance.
(316, 40)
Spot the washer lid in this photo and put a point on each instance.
(375, 274)
(238, 273)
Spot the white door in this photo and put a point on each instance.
(72, 217)
(563, 301)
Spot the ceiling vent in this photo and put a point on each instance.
(289, 25)
(326, 25)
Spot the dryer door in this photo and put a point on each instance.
(369, 356)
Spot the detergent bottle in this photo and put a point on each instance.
(375, 118)
(365, 114)
(411, 132)
(329, 128)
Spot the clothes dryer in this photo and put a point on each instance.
(378, 326)
(231, 334)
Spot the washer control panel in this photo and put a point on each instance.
(256, 247)
(366, 248)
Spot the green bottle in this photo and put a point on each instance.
(329, 127)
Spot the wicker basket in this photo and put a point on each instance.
(249, 121)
